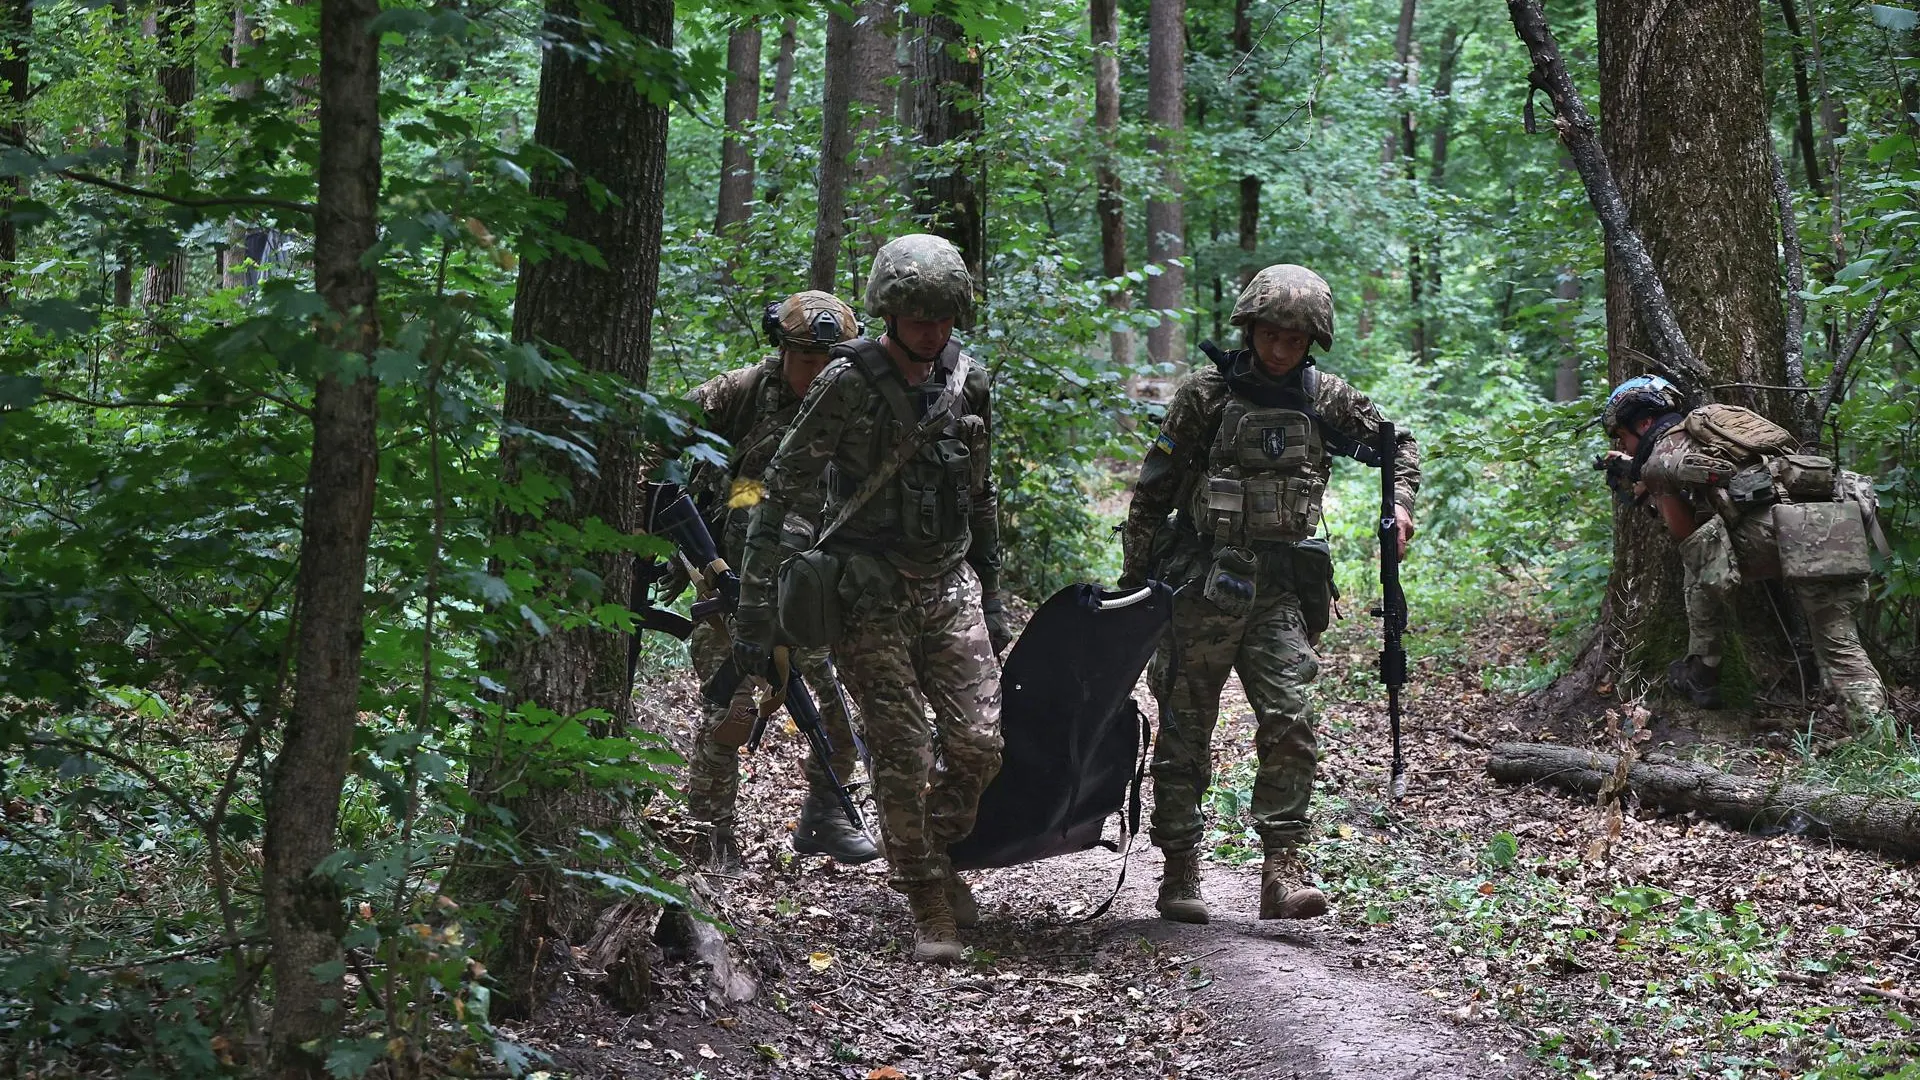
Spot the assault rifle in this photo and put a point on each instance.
(1393, 603)
(670, 513)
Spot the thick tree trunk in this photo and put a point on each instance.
(742, 108)
(1166, 212)
(172, 146)
(1887, 825)
(1687, 142)
(1803, 102)
(602, 316)
(1109, 206)
(306, 914)
(1566, 374)
(17, 34)
(783, 66)
(939, 100)
(1250, 183)
(861, 53)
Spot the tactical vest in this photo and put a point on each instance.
(927, 507)
(1266, 474)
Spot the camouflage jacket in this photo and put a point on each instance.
(1178, 459)
(751, 407)
(843, 434)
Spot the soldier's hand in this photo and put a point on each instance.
(1405, 518)
(999, 631)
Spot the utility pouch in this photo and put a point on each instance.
(1230, 580)
(1224, 507)
(1805, 477)
(809, 604)
(1821, 541)
(1752, 487)
(734, 731)
(1313, 584)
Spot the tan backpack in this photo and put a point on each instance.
(1739, 435)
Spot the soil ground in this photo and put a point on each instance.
(1477, 931)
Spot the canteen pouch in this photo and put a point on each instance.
(1313, 584)
(809, 606)
(1805, 477)
(1821, 541)
(1230, 580)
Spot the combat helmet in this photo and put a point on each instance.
(920, 276)
(1291, 297)
(1642, 395)
(810, 320)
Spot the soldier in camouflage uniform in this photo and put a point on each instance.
(898, 431)
(752, 408)
(1228, 501)
(1691, 470)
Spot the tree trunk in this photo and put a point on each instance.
(1881, 824)
(1397, 81)
(1450, 45)
(17, 33)
(1250, 183)
(939, 100)
(853, 95)
(306, 914)
(742, 108)
(172, 146)
(601, 316)
(233, 266)
(1166, 212)
(783, 66)
(1109, 206)
(1566, 375)
(1688, 145)
(130, 120)
(1803, 102)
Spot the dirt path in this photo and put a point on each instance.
(1289, 1001)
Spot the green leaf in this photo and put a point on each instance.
(1501, 851)
(1898, 20)
(59, 317)
(348, 1060)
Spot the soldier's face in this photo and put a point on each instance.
(1279, 349)
(800, 366)
(923, 337)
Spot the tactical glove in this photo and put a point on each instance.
(999, 630)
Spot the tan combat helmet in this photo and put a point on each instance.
(920, 276)
(810, 320)
(1290, 297)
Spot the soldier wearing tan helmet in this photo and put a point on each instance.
(1228, 504)
(906, 553)
(752, 407)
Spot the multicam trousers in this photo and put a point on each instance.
(713, 770)
(1711, 566)
(922, 645)
(1268, 646)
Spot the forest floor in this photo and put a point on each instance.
(1478, 930)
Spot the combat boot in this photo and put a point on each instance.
(960, 901)
(1695, 679)
(935, 939)
(718, 851)
(825, 830)
(1180, 888)
(1284, 889)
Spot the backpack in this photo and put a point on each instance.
(1737, 434)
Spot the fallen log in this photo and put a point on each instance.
(1877, 823)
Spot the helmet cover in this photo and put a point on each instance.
(1290, 297)
(810, 320)
(920, 276)
(1642, 395)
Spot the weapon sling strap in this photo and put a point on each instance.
(871, 358)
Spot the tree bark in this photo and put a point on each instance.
(130, 120)
(306, 915)
(783, 66)
(853, 96)
(1450, 46)
(939, 100)
(1887, 825)
(1803, 101)
(742, 108)
(1250, 183)
(1566, 375)
(1166, 212)
(601, 316)
(1109, 206)
(233, 265)
(172, 146)
(18, 33)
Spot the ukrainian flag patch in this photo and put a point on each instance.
(1164, 444)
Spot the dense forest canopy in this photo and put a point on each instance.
(338, 338)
